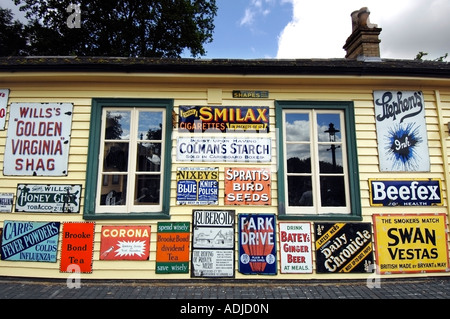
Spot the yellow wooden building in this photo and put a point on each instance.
(148, 168)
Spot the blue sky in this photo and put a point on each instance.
(297, 29)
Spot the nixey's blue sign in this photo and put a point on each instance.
(411, 192)
(223, 118)
(30, 241)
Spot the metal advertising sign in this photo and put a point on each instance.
(77, 247)
(38, 139)
(250, 94)
(198, 186)
(226, 149)
(296, 248)
(41, 198)
(410, 192)
(212, 243)
(257, 244)
(172, 247)
(401, 131)
(6, 202)
(344, 247)
(247, 186)
(4, 95)
(411, 243)
(125, 243)
(223, 119)
(30, 241)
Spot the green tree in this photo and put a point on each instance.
(12, 35)
(128, 28)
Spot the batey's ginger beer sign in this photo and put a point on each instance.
(223, 118)
(411, 243)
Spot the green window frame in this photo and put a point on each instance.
(345, 143)
(93, 208)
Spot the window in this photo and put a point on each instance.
(129, 149)
(318, 174)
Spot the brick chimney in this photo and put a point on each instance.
(363, 43)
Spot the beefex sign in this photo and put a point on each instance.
(413, 192)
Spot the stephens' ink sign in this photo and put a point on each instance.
(401, 131)
(38, 139)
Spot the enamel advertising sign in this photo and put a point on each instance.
(212, 243)
(172, 247)
(6, 202)
(223, 119)
(296, 248)
(125, 243)
(197, 186)
(77, 247)
(410, 192)
(4, 95)
(344, 247)
(225, 149)
(257, 244)
(38, 139)
(411, 243)
(42, 198)
(401, 131)
(30, 241)
(247, 186)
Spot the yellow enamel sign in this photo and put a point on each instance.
(409, 243)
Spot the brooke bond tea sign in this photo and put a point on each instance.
(38, 139)
(77, 247)
(401, 131)
(411, 243)
(224, 118)
(172, 247)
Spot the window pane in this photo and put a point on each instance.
(114, 190)
(147, 189)
(115, 157)
(298, 158)
(297, 127)
(329, 127)
(149, 157)
(150, 125)
(330, 159)
(300, 191)
(332, 189)
(117, 125)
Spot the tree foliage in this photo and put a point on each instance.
(129, 28)
(12, 35)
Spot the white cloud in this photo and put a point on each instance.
(319, 29)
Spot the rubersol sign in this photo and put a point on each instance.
(223, 119)
(344, 247)
(410, 192)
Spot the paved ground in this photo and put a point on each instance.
(233, 299)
